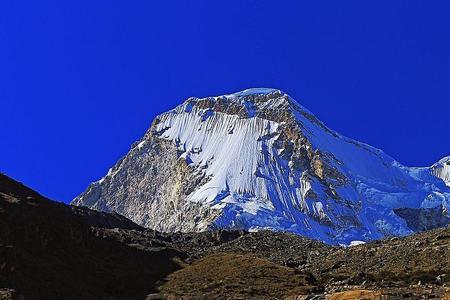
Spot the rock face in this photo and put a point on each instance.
(258, 160)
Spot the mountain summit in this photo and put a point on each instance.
(256, 160)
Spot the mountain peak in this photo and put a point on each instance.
(256, 160)
(265, 103)
(256, 91)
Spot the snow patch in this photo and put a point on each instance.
(356, 243)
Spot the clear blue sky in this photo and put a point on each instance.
(80, 81)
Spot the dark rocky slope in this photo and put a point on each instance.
(49, 252)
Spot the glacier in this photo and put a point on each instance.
(257, 159)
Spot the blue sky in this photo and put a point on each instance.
(80, 81)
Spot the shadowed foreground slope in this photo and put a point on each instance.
(49, 252)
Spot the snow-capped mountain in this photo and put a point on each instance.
(256, 160)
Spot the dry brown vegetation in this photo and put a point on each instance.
(237, 276)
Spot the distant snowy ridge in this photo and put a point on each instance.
(257, 159)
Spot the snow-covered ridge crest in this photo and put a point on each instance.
(257, 159)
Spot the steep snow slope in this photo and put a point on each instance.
(257, 159)
(442, 169)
